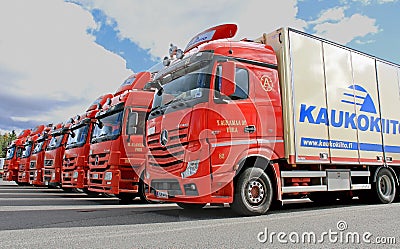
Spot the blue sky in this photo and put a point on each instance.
(58, 56)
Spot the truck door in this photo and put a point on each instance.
(231, 120)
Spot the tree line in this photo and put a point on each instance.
(5, 140)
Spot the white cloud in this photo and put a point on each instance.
(365, 2)
(386, 1)
(334, 14)
(45, 47)
(334, 25)
(368, 2)
(155, 24)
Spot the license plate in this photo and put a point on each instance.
(95, 176)
(162, 194)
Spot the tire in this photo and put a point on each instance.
(384, 188)
(253, 193)
(142, 193)
(191, 206)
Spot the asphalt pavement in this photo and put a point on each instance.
(32, 217)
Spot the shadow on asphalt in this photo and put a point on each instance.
(85, 211)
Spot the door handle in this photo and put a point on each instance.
(250, 129)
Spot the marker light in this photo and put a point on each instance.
(166, 61)
(179, 54)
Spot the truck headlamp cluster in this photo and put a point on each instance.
(191, 168)
(108, 176)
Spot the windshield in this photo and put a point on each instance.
(27, 151)
(77, 137)
(55, 142)
(38, 147)
(110, 127)
(128, 81)
(188, 86)
(10, 152)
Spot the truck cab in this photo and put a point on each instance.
(14, 152)
(54, 155)
(36, 164)
(117, 152)
(287, 115)
(75, 162)
(24, 170)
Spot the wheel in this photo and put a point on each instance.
(191, 206)
(384, 188)
(323, 197)
(253, 193)
(126, 198)
(142, 193)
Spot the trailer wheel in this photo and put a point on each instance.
(191, 206)
(385, 187)
(253, 193)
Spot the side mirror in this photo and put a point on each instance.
(228, 86)
(71, 133)
(100, 124)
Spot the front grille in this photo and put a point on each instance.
(172, 155)
(48, 162)
(69, 162)
(99, 160)
(48, 172)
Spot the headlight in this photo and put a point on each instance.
(53, 176)
(35, 174)
(191, 168)
(75, 175)
(108, 176)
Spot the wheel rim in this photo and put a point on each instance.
(385, 186)
(255, 192)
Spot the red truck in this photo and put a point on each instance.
(24, 170)
(37, 158)
(54, 155)
(287, 115)
(117, 152)
(14, 152)
(75, 162)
